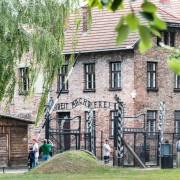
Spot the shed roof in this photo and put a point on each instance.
(102, 36)
(5, 116)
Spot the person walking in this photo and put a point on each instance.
(36, 151)
(106, 151)
(178, 153)
(46, 149)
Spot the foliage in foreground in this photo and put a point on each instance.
(132, 22)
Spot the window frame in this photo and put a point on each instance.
(176, 120)
(86, 78)
(63, 71)
(23, 80)
(112, 85)
(148, 123)
(151, 73)
(168, 38)
(113, 113)
(176, 83)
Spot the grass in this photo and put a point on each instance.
(108, 174)
(78, 165)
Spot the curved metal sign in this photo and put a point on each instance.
(84, 102)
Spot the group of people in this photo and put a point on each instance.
(43, 151)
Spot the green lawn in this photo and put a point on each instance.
(109, 174)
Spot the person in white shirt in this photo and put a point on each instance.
(106, 151)
(36, 151)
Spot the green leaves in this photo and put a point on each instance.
(37, 26)
(112, 5)
(116, 4)
(145, 38)
(133, 21)
(130, 22)
(175, 66)
(123, 32)
(93, 3)
(174, 61)
(158, 23)
(148, 7)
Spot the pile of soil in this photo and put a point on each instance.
(69, 161)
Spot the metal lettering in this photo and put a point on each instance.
(100, 104)
(105, 104)
(73, 104)
(95, 104)
(80, 100)
(84, 103)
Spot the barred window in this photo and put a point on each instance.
(61, 79)
(151, 122)
(177, 121)
(89, 76)
(115, 75)
(23, 80)
(151, 75)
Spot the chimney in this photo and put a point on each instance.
(84, 18)
(165, 2)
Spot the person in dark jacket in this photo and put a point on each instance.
(31, 158)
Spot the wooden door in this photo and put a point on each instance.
(3, 149)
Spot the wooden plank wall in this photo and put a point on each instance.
(3, 149)
(13, 142)
(18, 146)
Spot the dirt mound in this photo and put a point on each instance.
(69, 161)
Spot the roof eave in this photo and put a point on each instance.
(17, 118)
(172, 24)
(101, 50)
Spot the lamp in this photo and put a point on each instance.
(133, 94)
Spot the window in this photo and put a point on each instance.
(172, 39)
(151, 122)
(168, 38)
(62, 74)
(176, 82)
(113, 114)
(87, 121)
(23, 81)
(151, 75)
(90, 77)
(177, 121)
(115, 81)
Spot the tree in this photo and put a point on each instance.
(37, 26)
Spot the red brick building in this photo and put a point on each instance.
(103, 70)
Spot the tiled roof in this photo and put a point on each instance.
(8, 116)
(102, 37)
